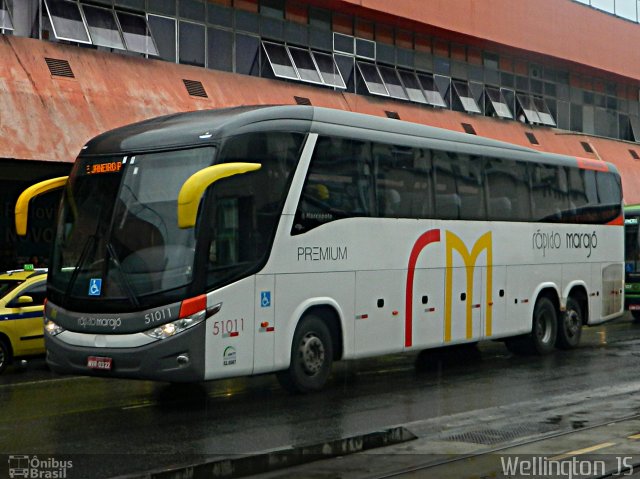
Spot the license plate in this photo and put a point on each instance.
(634, 307)
(97, 362)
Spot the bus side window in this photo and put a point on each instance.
(338, 184)
(549, 193)
(447, 200)
(403, 182)
(507, 184)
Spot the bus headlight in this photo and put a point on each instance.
(52, 328)
(171, 329)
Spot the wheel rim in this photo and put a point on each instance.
(543, 328)
(572, 323)
(312, 354)
(2, 356)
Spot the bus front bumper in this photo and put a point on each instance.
(176, 359)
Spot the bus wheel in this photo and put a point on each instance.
(311, 357)
(636, 316)
(570, 327)
(5, 355)
(545, 327)
(542, 338)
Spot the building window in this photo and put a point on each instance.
(5, 16)
(103, 27)
(412, 86)
(247, 54)
(135, 31)
(463, 98)
(329, 70)
(431, 91)
(305, 65)
(281, 63)
(372, 79)
(192, 44)
(164, 33)
(220, 49)
(393, 83)
(498, 103)
(66, 21)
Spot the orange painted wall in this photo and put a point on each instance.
(51, 118)
(558, 28)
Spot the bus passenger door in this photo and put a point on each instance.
(264, 327)
(379, 312)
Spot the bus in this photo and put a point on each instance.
(252, 240)
(632, 260)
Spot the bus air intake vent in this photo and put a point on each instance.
(195, 88)
(392, 114)
(468, 128)
(532, 138)
(586, 146)
(59, 68)
(300, 100)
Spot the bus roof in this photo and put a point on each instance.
(203, 127)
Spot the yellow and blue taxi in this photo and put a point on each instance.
(22, 295)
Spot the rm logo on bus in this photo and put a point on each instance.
(470, 258)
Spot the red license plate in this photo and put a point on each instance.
(634, 307)
(97, 362)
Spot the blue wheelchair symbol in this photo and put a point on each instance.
(95, 286)
(265, 299)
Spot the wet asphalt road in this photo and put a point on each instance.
(116, 427)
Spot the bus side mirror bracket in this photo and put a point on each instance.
(22, 205)
(195, 186)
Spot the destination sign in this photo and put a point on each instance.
(100, 168)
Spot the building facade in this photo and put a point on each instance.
(556, 75)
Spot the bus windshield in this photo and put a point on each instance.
(631, 244)
(118, 236)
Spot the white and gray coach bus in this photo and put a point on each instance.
(249, 240)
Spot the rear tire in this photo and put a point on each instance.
(570, 327)
(636, 316)
(5, 355)
(311, 357)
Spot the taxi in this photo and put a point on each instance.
(22, 295)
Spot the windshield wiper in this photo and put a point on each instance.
(91, 241)
(123, 277)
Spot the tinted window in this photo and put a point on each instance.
(404, 184)
(244, 209)
(507, 190)
(338, 184)
(549, 193)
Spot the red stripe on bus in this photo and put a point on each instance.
(193, 305)
(619, 221)
(431, 236)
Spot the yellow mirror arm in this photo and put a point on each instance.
(193, 189)
(22, 205)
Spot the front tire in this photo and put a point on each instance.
(570, 327)
(5, 355)
(311, 357)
